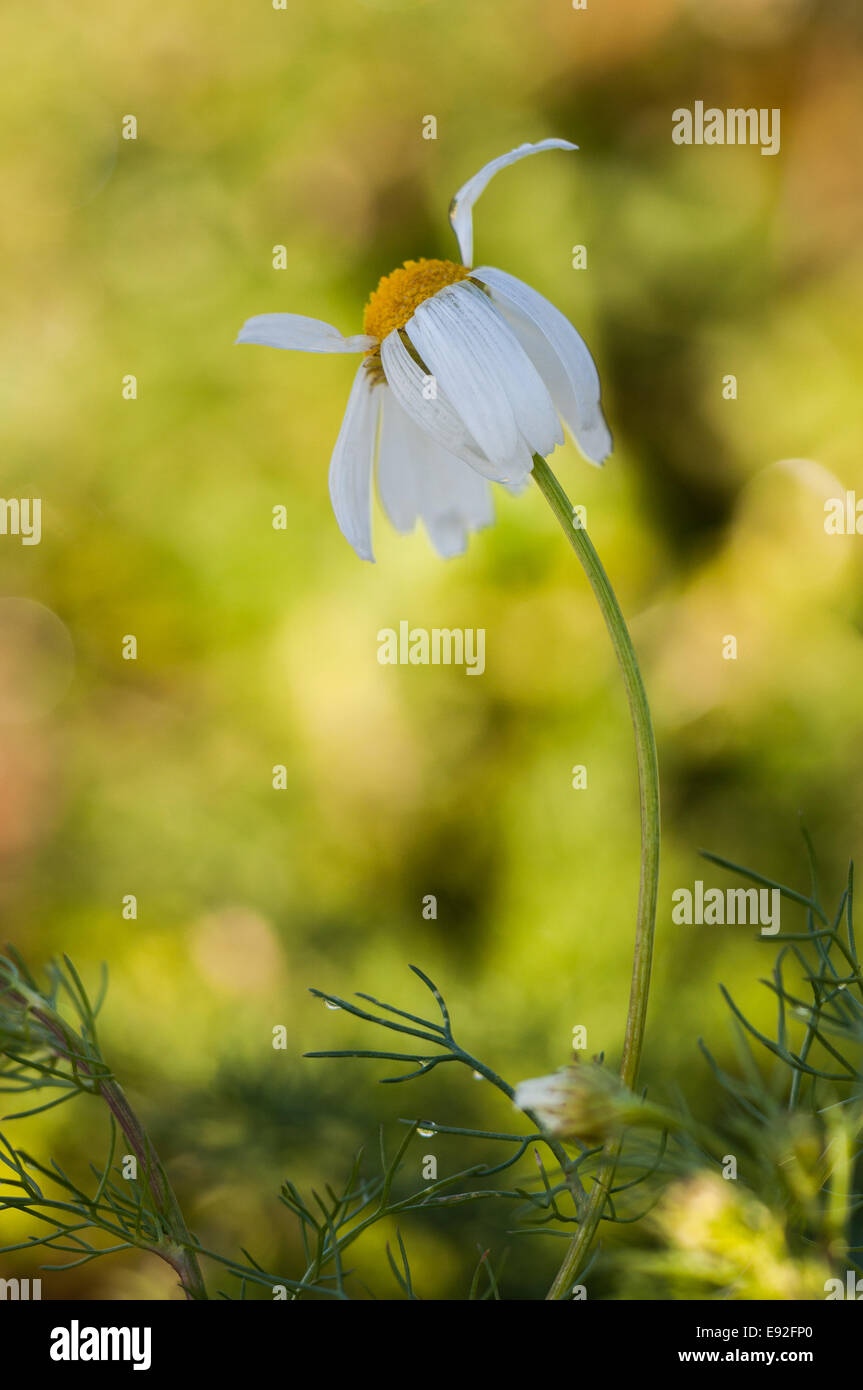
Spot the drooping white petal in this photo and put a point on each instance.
(461, 207)
(561, 356)
(593, 439)
(455, 501)
(454, 348)
(429, 407)
(493, 385)
(300, 334)
(417, 477)
(398, 475)
(351, 465)
(531, 401)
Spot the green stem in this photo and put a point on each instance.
(648, 786)
(177, 1250)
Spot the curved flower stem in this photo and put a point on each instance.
(177, 1248)
(648, 785)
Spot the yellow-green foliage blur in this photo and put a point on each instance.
(302, 128)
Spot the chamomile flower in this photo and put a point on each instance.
(467, 373)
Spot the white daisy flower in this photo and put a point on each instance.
(467, 374)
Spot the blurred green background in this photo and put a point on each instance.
(256, 647)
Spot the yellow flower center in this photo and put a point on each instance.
(399, 293)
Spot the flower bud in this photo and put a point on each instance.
(584, 1101)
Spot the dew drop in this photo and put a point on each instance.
(330, 1005)
(426, 1133)
(478, 1076)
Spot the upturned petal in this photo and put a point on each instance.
(461, 207)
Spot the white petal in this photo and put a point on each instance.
(517, 488)
(351, 465)
(398, 475)
(454, 500)
(529, 397)
(561, 355)
(418, 477)
(493, 385)
(435, 415)
(447, 534)
(461, 207)
(300, 334)
(453, 342)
